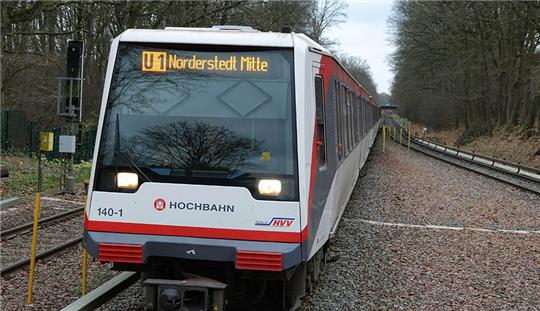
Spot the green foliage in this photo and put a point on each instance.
(23, 173)
(521, 128)
(404, 122)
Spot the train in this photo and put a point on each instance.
(224, 160)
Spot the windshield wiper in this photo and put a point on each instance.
(131, 163)
(237, 174)
(119, 152)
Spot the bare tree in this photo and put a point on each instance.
(323, 15)
(35, 35)
(467, 63)
(360, 70)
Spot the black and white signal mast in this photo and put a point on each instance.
(69, 105)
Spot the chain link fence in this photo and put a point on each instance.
(22, 135)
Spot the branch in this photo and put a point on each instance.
(65, 33)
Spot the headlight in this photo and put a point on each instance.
(127, 180)
(270, 187)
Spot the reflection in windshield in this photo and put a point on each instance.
(199, 123)
(195, 145)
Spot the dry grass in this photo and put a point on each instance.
(510, 146)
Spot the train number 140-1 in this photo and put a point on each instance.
(103, 211)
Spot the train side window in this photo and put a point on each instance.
(343, 103)
(364, 117)
(361, 123)
(359, 119)
(347, 120)
(349, 111)
(351, 118)
(320, 119)
(356, 121)
(338, 119)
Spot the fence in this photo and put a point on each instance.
(20, 134)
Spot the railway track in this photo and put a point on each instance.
(20, 230)
(24, 262)
(517, 175)
(104, 293)
(10, 232)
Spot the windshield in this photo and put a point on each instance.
(210, 115)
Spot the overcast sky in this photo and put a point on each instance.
(365, 33)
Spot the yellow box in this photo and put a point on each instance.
(265, 155)
(154, 61)
(46, 141)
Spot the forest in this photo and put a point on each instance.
(472, 65)
(35, 36)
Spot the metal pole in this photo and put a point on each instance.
(34, 235)
(70, 180)
(72, 125)
(85, 253)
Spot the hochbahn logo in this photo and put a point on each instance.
(161, 204)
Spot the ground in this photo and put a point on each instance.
(23, 170)
(417, 234)
(421, 234)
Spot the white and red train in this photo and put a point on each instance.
(223, 162)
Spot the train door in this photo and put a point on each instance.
(319, 223)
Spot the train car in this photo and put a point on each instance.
(224, 160)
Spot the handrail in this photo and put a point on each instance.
(518, 166)
(474, 155)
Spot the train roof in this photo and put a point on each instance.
(219, 35)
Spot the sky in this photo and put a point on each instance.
(365, 34)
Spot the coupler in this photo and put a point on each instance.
(195, 294)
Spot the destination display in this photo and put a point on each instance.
(152, 61)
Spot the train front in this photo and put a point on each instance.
(195, 172)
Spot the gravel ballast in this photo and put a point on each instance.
(51, 204)
(387, 258)
(389, 267)
(16, 246)
(57, 282)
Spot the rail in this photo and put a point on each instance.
(513, 167)
(530, 176)
(103, 293)
(21, 263)
(28, 225)
(9, 202)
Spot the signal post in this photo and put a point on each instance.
(70, 91)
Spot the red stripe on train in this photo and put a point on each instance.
(197, 232)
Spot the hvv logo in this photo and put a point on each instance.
(276, 222)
